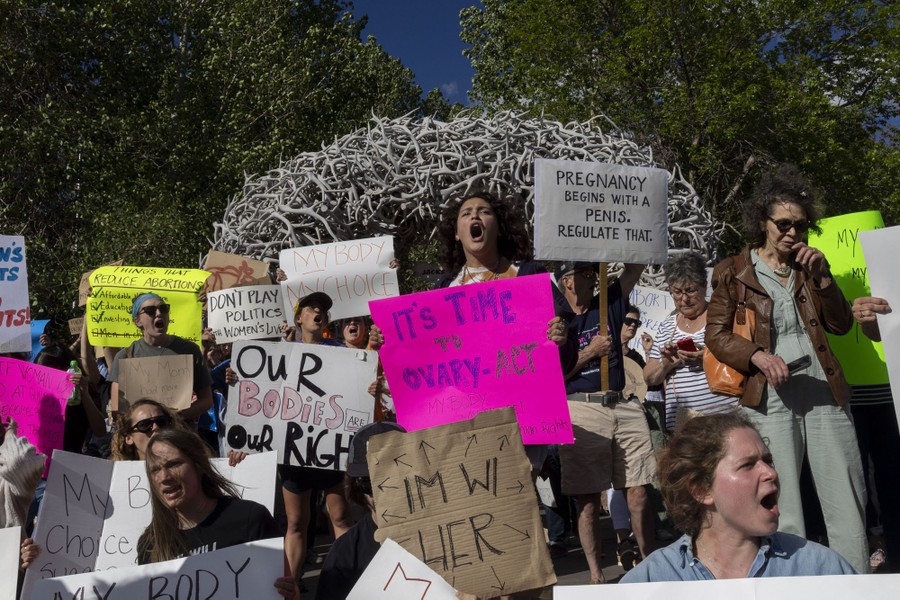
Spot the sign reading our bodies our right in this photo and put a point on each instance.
(452, 353)
(303, 400)
(597, 211)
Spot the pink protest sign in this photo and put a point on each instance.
(35, 397)
(452, 353)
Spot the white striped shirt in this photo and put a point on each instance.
(686, 386)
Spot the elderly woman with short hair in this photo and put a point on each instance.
(676, 358)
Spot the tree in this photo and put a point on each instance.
(126, 125)
(723, 89)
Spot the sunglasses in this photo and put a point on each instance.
(145, 426)
(150, 311)
(632, 321)
(784, 225)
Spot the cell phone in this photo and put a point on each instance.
(687, 344)
(799, 364)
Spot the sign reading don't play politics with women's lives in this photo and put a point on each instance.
(600, 212)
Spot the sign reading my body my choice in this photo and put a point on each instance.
(600, 212)
(453, 353)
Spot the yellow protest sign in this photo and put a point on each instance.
(861, 358)
(113, 288)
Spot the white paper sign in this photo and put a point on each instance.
(825, 587)
(304, 400)
(351, 273)
(15, 309)
(881, 248)
(600, 212)
(94, 510)
(395, 574)
(10, 538)
(246, 313)
(655, 306)
(244, 571)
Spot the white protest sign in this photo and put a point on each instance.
(15, 309)
(246, 313)
(655, 306)
(351, 273)
(248, 569)
(168, 379)
(10, 538)
(881, 248)
(94, 510)
(600, 212)
(395, 574)
(823, 587)
(304, 400)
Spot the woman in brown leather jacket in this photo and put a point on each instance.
(796, 393)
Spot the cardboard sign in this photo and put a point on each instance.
(452, 353)
(15, 309)
(881, 248)
(10, 538)
(247, 570)
(35, 397)
(75, 325)
(94, 511)
(167, 379)
(655, 306)
(861, 359)
(84, 286)
(600, 212)
(395, 574)
(246, 313)
(304, 400)
(823, 587)
(351, 273)
(459, 498)
(230, 270)
(113, 289)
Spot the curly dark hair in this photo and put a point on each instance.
(786, 184)
(513, 241)
(687, 466)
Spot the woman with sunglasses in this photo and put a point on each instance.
(676, 358)
(151, 316)
(795, 391)
(135, 427)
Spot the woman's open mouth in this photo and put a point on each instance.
(770, 503)
(476, 231)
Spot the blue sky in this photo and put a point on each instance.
(424, 35)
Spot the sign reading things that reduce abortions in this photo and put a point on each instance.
(451, 353)
(459, 498)
(15, 310)
(304, 400)
(113, 289)
(351, 273)
(600, 212)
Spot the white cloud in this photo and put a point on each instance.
(450, 89)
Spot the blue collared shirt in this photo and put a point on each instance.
(780, 555)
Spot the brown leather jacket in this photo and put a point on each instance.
(822, 309)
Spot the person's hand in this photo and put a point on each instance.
(376, 337)
(646, 343)
(288, 332)
(375, 387)
(235, 457)
(231, 377)
(75, 378)
(207, 337)
(557, 332)
(394, 264)
(772, 366)
(600, 345)
(287, 587)
(812, 260)
(44, 340)
(865, 309)
(691, 358)
(28, 552)
(280, 275)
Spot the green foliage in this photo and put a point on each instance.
(125, 125)
(721, 88)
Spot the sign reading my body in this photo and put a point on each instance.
(469, 307)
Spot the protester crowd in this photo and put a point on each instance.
(738, 473)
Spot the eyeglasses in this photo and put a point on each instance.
(150, 311)
(632, 321)
(784, 225)
(145, 426)
(676, 293)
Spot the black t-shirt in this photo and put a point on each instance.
(584, 327)
(233, 521)
(347, 559)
